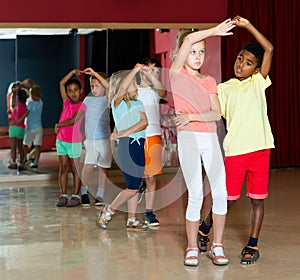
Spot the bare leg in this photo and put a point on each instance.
(86, 171)
(21, 150)
(218, 226)
(103, 175)
(192, 232)
(13, 148)
(76, 177)
(63, 173)
(26, 149)
(150, 191)
(37, 153)
(257, 216)
(122, 197)
(132, 206)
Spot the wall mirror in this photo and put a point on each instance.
(47, 54)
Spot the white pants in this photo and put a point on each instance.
(195, 149)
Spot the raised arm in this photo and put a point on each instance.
(262, 40)
(27, 83)
(142, 124)
(62, 83)
(154, 78)
(126, 83)
(102, 80)
(221, 29)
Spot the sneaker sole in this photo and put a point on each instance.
(100, 204)
(152, 224)
(85, 205)
(76, 205)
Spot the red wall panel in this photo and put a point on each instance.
(131, 11)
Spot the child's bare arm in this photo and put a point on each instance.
(126, 83)
(76, 117)
(142, 124)
(156, 83)
(62, 83)
(262, 40)
(102, 80)
(221, 29)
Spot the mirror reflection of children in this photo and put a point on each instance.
(131, 121)
(69, 138)
(34, 127)
(16, 130)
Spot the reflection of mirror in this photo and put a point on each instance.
(47, 58)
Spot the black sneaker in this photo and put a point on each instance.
(33, 165)
(142, 190)
(21, 167)
(12, 166)
(99, 201)
(203, 240)
(249, 255)
(85, 200)
(150, 219)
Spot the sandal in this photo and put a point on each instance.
(103, 218)
(217, 255)
(191, 257)
(249, 255)
(137, 225)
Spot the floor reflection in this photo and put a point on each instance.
(41, 241)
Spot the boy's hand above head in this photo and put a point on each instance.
(240, 21)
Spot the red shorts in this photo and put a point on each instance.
(153, 150)
(255, 167)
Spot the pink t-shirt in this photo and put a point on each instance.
(70, 133)
(192, 95)
(17, 113)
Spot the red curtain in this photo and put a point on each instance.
(279, 21)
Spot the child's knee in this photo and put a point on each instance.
(257, 203)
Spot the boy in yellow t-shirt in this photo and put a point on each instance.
(249, 138)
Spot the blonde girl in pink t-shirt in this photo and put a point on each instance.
(197, 109)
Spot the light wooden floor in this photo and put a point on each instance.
(41, 241)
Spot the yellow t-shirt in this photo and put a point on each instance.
(244, 106)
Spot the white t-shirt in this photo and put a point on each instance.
(150, 99)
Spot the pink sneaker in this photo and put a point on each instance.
(62, 201)
(74, 201)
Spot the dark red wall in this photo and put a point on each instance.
(130, 11)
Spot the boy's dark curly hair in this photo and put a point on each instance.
(256, 50)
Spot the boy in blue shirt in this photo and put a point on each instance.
(34, 127)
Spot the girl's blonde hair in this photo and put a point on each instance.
(114, 86)
(180, 38)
